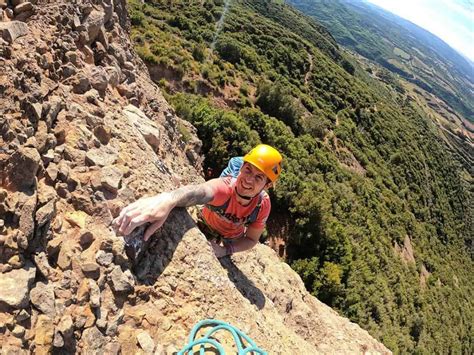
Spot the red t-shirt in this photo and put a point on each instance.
(231, 224)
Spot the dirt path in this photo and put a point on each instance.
(308, 73)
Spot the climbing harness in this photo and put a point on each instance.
(217, 325)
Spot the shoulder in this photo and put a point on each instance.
(265, 203)
(265, 197)
(221, 190)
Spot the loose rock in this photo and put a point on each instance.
(44, 333)
(45, 213)
(93, 339)
(12, 30)
(103, 258)
(121, 281)
(24, 7)
(111, 178)
(144, 125)
(42, 297)
(15, 285)
(23, 166)
(101, 156)
(146, 342)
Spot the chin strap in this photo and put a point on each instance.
(244, 197)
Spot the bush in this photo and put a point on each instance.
(199, 52)
(276, 101)
(229, 50)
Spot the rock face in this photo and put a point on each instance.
(83, 133)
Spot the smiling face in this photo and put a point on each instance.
(250, 181)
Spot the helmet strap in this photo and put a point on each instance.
(247, 198)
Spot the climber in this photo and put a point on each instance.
(236, 205)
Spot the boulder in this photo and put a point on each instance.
(93, 340)
(146, 342)
(23, 7)
(101, 156)
(12, 30)
(111, 178)
(92, 24)
(42, 297)
(15, 286)
(121, 281)
(148, 129)
(22, 168)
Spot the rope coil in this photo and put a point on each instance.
(217, 325)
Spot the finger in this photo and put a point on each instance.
(127, 221)
(127, 210)
(124, 226)
(136, 222)
(129, 229)
(141, 218)
(152, 229)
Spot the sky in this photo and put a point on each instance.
(450, 20)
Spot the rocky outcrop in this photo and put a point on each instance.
(83, 132)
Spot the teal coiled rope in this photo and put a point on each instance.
(217, 325)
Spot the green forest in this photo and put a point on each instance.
(365, 176)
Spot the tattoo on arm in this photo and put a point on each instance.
(192, 195)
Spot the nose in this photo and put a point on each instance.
(250, 180)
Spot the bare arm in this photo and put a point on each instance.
(250, 239)
(156, 209)
(192, 195)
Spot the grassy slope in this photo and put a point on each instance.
(363, 167)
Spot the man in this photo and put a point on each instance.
(236, 206)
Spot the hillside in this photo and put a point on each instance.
(83, 132)
(400, 46)
(428, 70)
(372, 206)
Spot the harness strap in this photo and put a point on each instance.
(252, 217)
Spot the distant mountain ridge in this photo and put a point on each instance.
(440, 45)
(406, 49)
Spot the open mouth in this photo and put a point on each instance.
(246, 187)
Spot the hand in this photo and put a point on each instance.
(220, 251)
(150, 209)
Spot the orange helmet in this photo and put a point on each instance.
(267, 159)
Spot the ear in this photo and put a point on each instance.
(269, 184)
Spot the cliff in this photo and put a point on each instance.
(84, 132)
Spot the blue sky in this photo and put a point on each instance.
(450, 20)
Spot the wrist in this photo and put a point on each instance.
(170, 200)
(229, 249)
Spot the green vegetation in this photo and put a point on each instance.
(363, 168)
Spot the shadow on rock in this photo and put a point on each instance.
(162, 246)
(243, 284)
